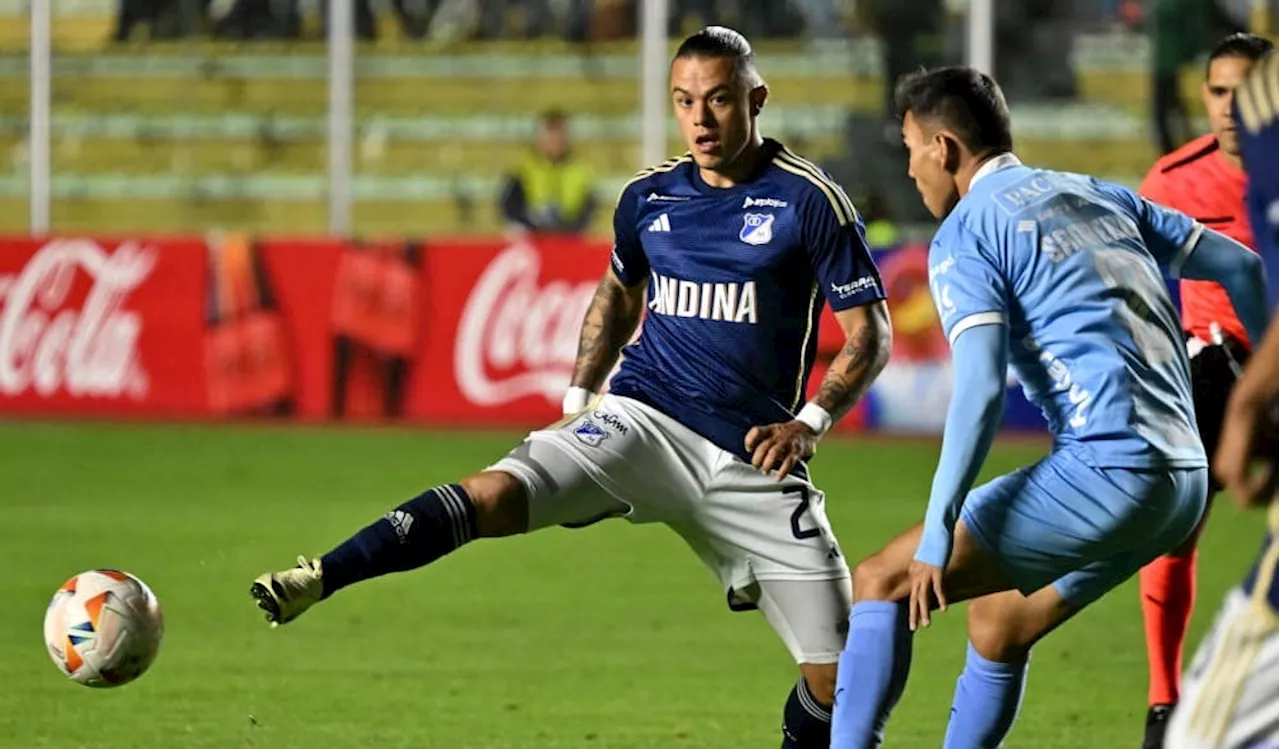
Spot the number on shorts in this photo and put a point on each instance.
(798, 515)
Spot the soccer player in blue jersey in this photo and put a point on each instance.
(1229, 697)
(736, 246)
(1254, 110)
(1058, 275)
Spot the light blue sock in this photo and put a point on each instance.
(872, 673)
(988, 695)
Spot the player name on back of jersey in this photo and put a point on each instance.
(722, 301)
(1065, 241)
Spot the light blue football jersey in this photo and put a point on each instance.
(1073, 267)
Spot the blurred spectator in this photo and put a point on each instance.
(550, 190)
(414, 17)
(260, 19)
(165, 19)
(536, 16)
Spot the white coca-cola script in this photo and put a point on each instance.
(88, 352)
(516, 338)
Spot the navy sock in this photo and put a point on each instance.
(806, 723)
(988, 695)
(416, 533)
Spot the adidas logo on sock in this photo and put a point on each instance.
(401, 521)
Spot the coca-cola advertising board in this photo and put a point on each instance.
(502, 323)
(101, 327)
(487, 331)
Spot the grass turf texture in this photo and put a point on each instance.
(613, 636)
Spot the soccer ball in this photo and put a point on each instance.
(103, 628)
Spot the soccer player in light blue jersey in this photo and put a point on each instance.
(1059, 276)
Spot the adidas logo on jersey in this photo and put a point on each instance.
(729, 302)
(661, 223)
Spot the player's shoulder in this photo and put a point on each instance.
(810, 186)
(1184, 160)
(655, 179)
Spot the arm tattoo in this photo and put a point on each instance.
(852, 371)
(611, 319)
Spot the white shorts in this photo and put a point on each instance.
(768, 541)
(1229, 693)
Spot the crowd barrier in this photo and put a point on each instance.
(440, 332)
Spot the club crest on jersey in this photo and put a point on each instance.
(757, 228)
(589, 433)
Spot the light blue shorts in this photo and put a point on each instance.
(1084, 529)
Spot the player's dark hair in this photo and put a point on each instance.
(1250, 47)
(960, 99)
(723, 43)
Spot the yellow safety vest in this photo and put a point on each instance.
(563, 186)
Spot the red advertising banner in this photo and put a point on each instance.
(475, 332)
(502, 323)
(101, 326)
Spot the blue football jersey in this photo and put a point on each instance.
(1072, 266)
(1255, 111)
(1255, 107)
(736, 279)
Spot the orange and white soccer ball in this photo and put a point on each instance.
(103, 628)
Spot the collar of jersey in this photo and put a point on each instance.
(770, 148)
(1003, 161)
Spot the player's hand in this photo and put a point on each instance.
(781, 446)
(926, 586)
(1246, 436)
(1249, 484)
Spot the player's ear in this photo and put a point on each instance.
(759, 95)
(950, 152)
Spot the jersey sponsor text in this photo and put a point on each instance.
(728, 302)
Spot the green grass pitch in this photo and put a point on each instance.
(613, 636)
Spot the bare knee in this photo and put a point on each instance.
(501, 504)
(995, 638)
(1004, 626)
(821, 680)
(878, 578)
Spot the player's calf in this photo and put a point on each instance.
(1002, 629)
(806, 719)
(877, 655)
(416, 533)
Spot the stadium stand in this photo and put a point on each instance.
(196, 134)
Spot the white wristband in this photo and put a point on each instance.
(575, 400)
(816, 417)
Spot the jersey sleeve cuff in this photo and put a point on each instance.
(973, 321)
(857, 300)
(623, 271)
(1184, 252)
